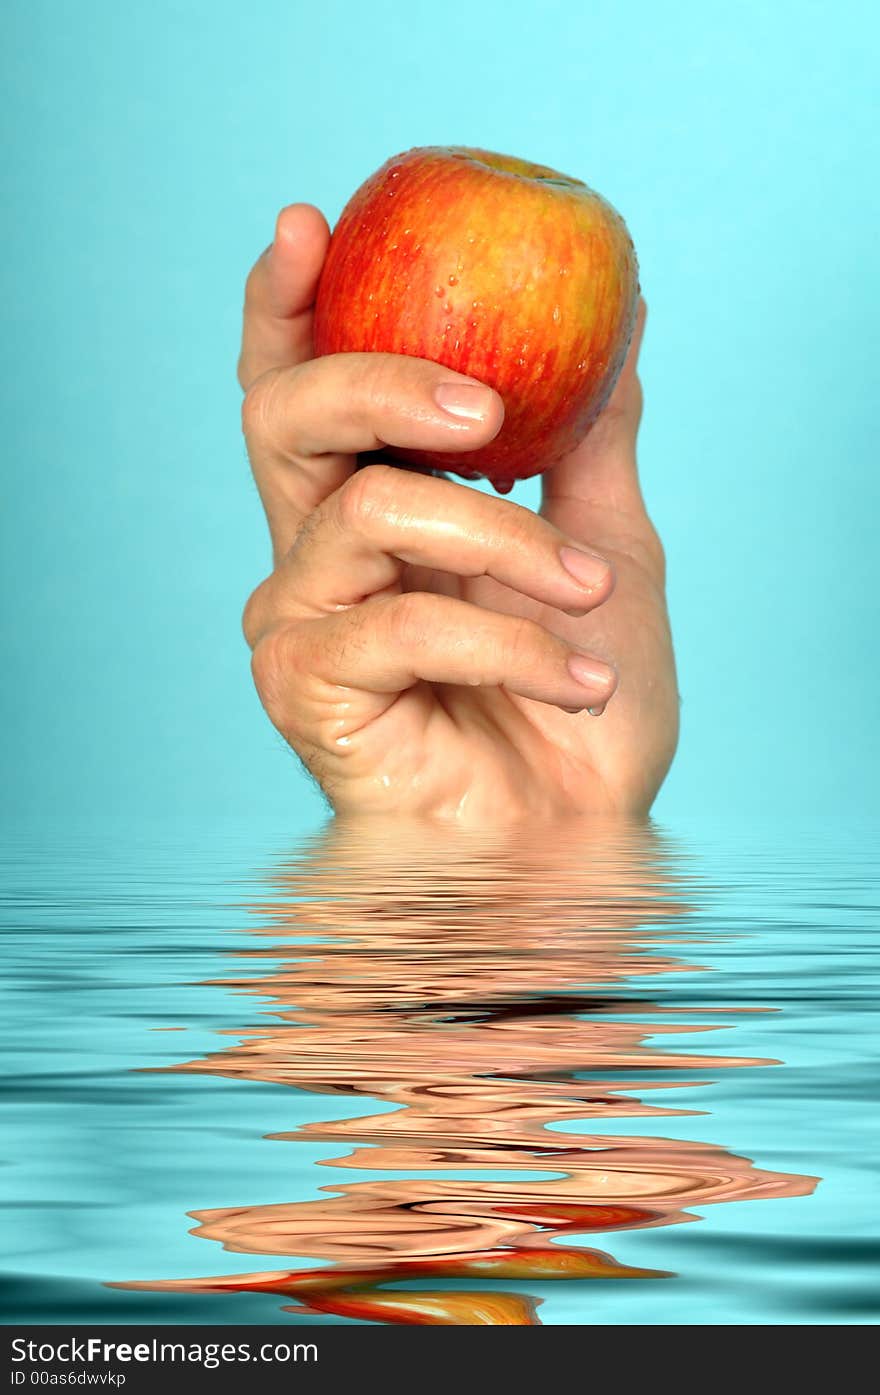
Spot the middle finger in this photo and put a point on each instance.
(358, 542)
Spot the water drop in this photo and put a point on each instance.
(438, 290)
(448, 307)
(503, 486)
(453, 280)
(556, 315)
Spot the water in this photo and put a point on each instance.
(380, 1076)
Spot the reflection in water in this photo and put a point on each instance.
(486, 990)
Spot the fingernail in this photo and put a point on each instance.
(467, 401)
(592, 673)
(587, 568)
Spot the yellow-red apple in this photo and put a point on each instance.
(500, 269)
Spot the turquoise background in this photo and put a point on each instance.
(151, 145)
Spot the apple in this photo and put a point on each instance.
(502, 270)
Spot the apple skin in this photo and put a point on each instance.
(502, 270)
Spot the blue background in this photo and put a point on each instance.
(151, 146)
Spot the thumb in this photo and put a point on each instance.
(280, 294)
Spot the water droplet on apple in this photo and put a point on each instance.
(557, 316)
(453, 280)
(438, 290)
(503, 486)
(448, 307)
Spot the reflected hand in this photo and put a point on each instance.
(423, 647)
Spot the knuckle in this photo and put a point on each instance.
(242, 370)
(273, 661)
(408, 620)
(525, 640)
(655, 554)
(368, 493)
(521, 527)
(255, 618)
(643, 547)
(379, 379)
(258, 406)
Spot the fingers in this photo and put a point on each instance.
(358, 542)
(603, 467)
(321, 679)
(347, 403)
(305, 425)
(280, 293)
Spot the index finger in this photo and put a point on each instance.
(280, 294)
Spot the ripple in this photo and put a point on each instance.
(493, 992)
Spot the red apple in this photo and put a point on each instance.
(499, 269)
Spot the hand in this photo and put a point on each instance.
(425, 648)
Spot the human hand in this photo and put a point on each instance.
(425, 648)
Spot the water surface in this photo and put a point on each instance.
(599, 1074)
